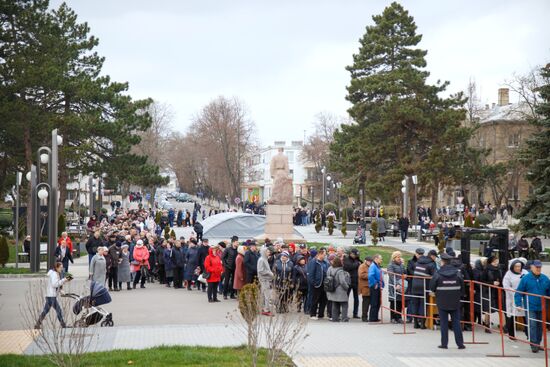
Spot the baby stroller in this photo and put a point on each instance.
(360, 236)
(87, 307)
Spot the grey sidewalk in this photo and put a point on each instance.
(329, 344)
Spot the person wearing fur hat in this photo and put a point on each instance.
(509, 283)
(240, 273)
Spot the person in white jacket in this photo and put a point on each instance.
(510, 283)
(52, 290)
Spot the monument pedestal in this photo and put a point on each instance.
(278, 223)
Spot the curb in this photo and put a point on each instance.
(17, 276)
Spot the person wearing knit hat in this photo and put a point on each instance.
(510, 282)
(283, 281)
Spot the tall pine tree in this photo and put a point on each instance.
(402, 126)
(535, 214)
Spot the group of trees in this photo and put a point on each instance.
(402, 125)
(51, 77)
(212, 156)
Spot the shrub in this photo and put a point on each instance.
(344, 222)
(374, 232)
(330, 225)
(61, 224)
(303, 204)
(484, 219)
(318, 224)
(167, 232)
(172, 234)
(4, 251)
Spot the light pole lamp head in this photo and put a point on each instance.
(28, 176)
(403, 190)
(415, 179)
(18, 177)
(404, 183)
(44, 158)
(59, 140)
(323, 170)
(329, 178)
(43, 194)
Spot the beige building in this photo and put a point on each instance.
(504, 128)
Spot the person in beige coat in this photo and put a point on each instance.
(364, 290)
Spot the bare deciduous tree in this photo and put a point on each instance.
(473, 105)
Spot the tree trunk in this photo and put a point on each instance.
(433, 204)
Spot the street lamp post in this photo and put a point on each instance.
(323, 171)
(17, 184)
(49, 156)
(91, 192)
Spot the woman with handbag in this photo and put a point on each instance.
(213, 269)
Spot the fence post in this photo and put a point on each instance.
(472, 315)
(501, 329)
(403, 312)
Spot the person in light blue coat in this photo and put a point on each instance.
(376, 283)
(535, 283)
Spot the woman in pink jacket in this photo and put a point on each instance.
(140, 263)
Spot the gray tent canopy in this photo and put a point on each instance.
(243, 225)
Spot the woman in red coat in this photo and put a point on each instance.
(240, 277)
(140, 264)
(213, 265)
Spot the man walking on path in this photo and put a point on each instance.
(448, 286)
(535, 283)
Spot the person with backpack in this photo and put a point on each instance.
(336, 285)
(376, 284)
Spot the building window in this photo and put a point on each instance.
(291, 173)
(290, 155)
(513, 140)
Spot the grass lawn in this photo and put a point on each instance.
(10, 270)
(154, 357)
(371, 251)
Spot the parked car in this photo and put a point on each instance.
(184, 197)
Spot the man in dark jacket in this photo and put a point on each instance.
(203, 253)
(177, 265)
(197, 227)
(448, 286)
(160, 260)
(536, 248)
(351, 265)
(112, 258)
(316, 273)
(423, 271)
(228, 261)
(404, 228)
(251, 263)
(94, 241)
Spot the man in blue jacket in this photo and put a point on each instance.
(316, 273)
(376, 283)
(536, 283)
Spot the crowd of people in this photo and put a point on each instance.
(129, 248)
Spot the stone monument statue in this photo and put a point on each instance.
(279, 212)
(282, 192)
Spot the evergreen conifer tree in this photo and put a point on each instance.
(535, 214)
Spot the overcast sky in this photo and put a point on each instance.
(286, 59)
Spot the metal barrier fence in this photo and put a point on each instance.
(480, 302)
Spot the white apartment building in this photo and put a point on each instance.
(257, 183)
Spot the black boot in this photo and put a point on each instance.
(416, 324)
(134, 286)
